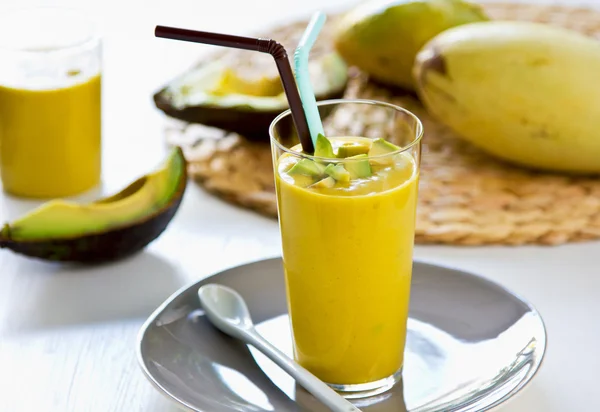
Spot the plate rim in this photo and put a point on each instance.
(508, 397)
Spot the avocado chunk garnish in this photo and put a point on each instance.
(323, 147)
(338, 172)
(359, 167)
(326, 183)
(107, 229)
(381, 147)
(307, 167)
(352, 149)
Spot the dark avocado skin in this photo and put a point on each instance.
(106, 246)
(243, 120)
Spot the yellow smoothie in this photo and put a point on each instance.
(50, 139)
(347, 254)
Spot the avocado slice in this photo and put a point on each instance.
(244, 100)
(360, 167)
(107, 229)
(323, 147)
(326, 183)
(307, 167)
(350, 149)
(337, 172)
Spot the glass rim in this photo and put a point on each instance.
(414, 142)
(88, 42)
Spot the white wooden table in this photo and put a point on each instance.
(67, 336)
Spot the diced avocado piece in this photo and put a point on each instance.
(352, 149)
(323, 147)
(109, 228)
(307, 167)
(304, 180)
(337, 172)
(381, 146)
(326, 183)
(360, 167)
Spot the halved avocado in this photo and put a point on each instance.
(107, 229)
(242, 93)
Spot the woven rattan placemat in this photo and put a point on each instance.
(465, 197)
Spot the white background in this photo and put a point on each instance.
(67, 335)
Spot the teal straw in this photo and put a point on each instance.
(309, 103)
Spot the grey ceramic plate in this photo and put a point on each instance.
(471, 345)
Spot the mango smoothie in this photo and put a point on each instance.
(50, 102)
(347, 235)
(50, 139)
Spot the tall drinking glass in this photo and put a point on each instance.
(348, 241)
(50, 102)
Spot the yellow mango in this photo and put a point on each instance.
(524, 92)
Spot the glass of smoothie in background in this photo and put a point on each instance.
(348, 242)
(50, 103)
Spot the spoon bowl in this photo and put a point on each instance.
(226, 309)
(228, 312)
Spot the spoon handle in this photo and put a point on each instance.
(310, 382)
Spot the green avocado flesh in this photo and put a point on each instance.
(131, 218)
(337, 172)
(381, 147)
(326, 183)
(307, 167)
(360, 168)
(352, 149)
(323, 147)
(216, 95)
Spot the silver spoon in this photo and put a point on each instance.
(227, 310)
